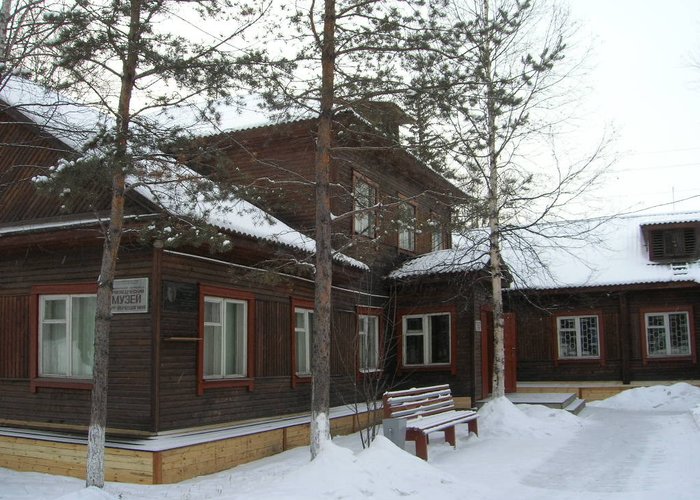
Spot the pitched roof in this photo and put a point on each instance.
(74, 124)
(586, 253)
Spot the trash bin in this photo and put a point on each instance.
(395, 431)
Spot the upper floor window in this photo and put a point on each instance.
(437, 235)
(667, 333)
(66, 335)
(368, 329)
(426, 339)
(579, 337)
(672, 243)
(225, 338)
(407, 226)
(365, 197)
(303, 332)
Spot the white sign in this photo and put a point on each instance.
(130, 296)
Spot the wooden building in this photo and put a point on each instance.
(601, 300)
(216, 334)
(621, 304)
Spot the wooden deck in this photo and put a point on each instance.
(168, 457)
(591, 391)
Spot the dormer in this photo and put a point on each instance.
(672, 242)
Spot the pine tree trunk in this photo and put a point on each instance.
(320, 361)
(103, 316)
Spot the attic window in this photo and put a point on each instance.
(672, 243)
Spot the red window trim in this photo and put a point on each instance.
(226, 293)
(371, 311)
(36, 382)
(600, 360)
(294, 304)
(646, 359)
(355, 177)
(452, 365)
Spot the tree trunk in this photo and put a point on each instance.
(320, 361)
(496, 268)
(103, 316)
(5, 11)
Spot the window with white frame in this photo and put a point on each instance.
(365, 197)
(66, 335)
(368, 327)
(667, 333)
(426, 339)
(303, 332)
(579, 337)
(407, 226)
(225, 338)
(437, 237)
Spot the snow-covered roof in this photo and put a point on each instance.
(70, 122)
(587, 253)
(441, 262)
(74, 124)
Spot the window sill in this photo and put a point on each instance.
(669, 359)
(425, 368)
(301, 378)
(60, 383)
(579, 360)
(206, 384)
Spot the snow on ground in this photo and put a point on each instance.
(640, 445)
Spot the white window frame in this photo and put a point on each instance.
(426, 333)
(306, 330)
(368, 336)
(407, 226)
(222, 324)
(667, 333)
(69, 334)
(437, 238)
(364, 220)
(577, 330)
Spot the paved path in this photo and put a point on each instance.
(632, 454)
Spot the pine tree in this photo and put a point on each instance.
(505, 70)
(119, 56)
(349, 53)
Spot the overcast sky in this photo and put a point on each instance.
(644, 84)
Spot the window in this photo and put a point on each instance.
(368, 329)
(66, 335)
(365, 197)
(672, 243)
(437, 237)
(426, 339)
(667, 334)
(303, 332)
(578, 337)
(225, 338)
(407, 226)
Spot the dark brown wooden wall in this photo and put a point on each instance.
(129, 403)
(276, 164)
(273, 393)
(536, 335)
(465, 295)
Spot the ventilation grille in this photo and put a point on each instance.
(672, 243)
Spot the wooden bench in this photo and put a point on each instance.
(426, 410)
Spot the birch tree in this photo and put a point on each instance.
(507, 75)
(128, 60)
(24, 36)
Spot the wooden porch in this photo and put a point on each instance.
(168, 457)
